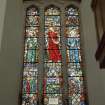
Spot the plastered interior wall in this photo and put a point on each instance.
(2, 15)
(95, 76)
(12, 50)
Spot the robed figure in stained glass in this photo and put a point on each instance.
(53, 46)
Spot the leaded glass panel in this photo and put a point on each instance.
(29, 99)
(53, 69)
(53, 87)
(30, 73)
(74, 59)
(72, 31)
(32, 31)
(52, 57)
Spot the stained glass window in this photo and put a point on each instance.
(52, 57)
(30, 73)
(74, 59)
(47, 69)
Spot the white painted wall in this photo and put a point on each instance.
(11, 51)
(95, 76)
(11, 31)
(2, 15)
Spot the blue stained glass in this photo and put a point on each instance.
(53, 81)
(52, 20)
(73, 43)
(74, 55)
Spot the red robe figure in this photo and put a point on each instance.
(53, 46)
(28, 87)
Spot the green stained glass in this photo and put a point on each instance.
(29, 85)
(30, 56)
(52, 88)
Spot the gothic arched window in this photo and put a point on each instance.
(53, 63)
(74, 57)
(30, 74)
(53, 59)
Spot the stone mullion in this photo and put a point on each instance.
(41, 60)
(64, 65)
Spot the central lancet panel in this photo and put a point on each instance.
(52, 58)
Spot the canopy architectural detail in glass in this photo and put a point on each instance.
(52, 57)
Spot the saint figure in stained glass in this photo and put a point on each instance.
(53, 47)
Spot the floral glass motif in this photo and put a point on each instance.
(32, 21)
(32, 31)
(30, 73)
(53, 69)
(52, 57)
(72, 31)
(74, 60)
(53, 85)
